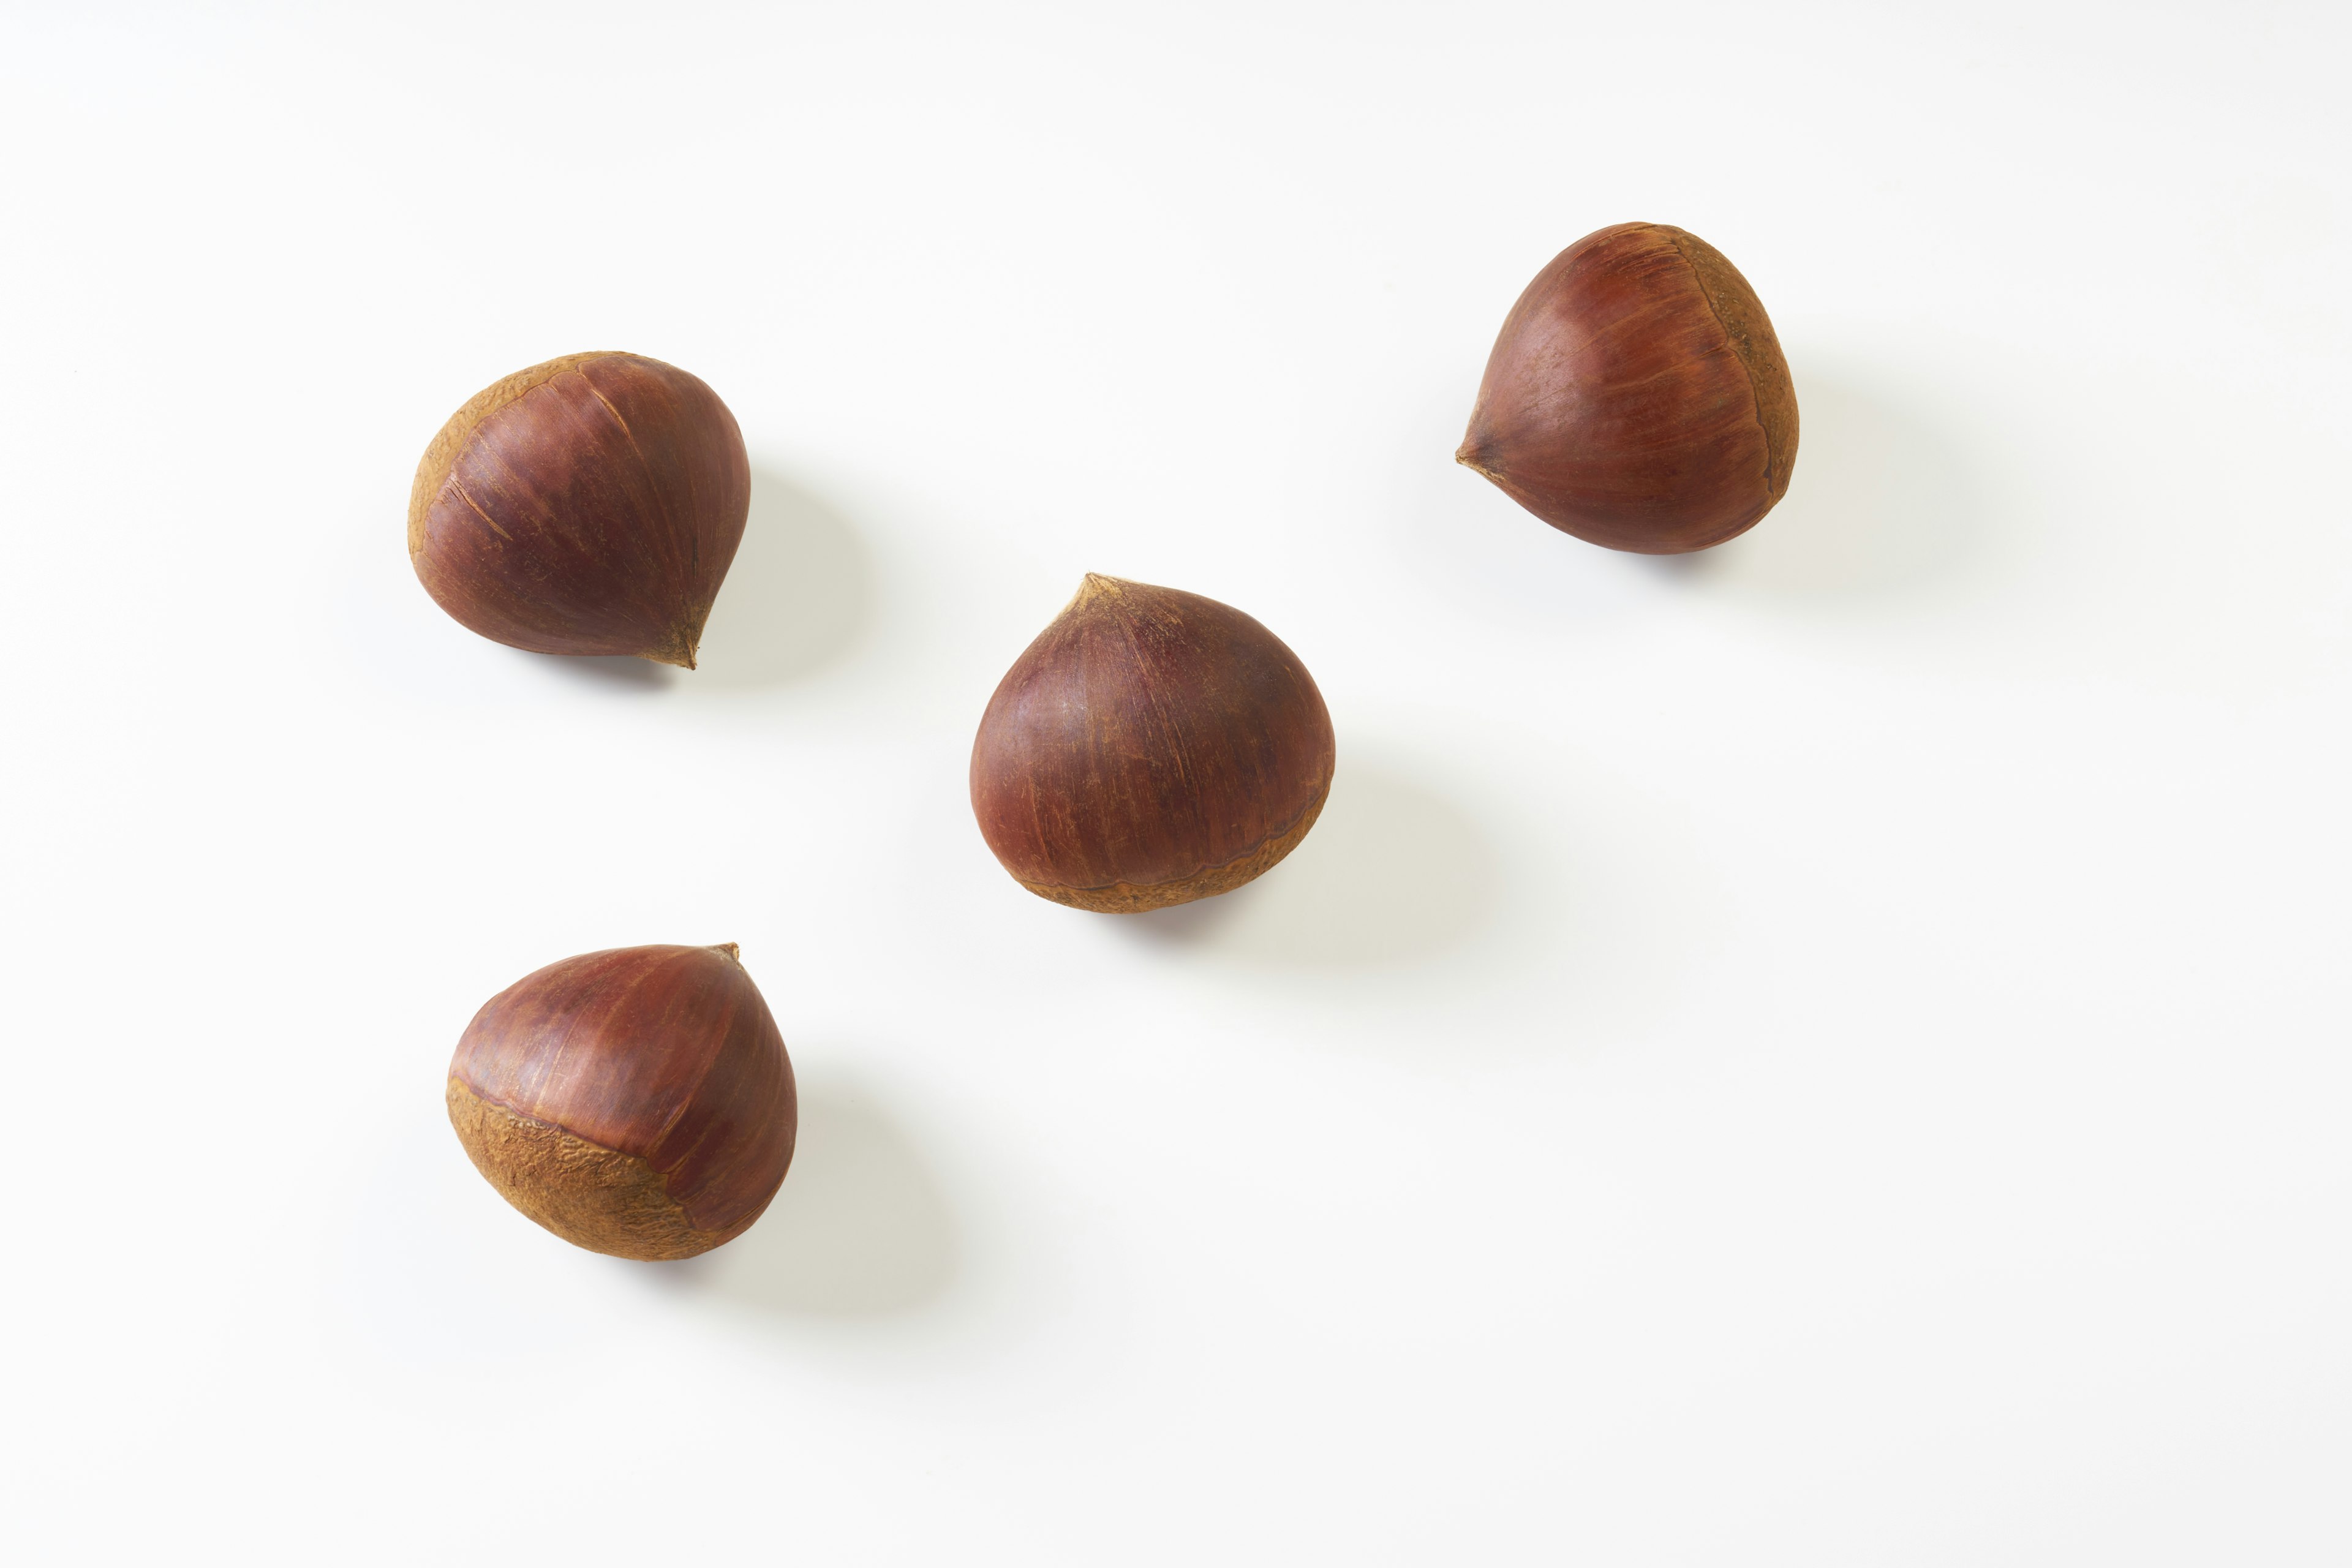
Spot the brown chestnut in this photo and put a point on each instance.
(589, 505)
(637, 1101)
(1151, 747)
(1637, 398)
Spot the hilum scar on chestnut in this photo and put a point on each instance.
(588, 505)
(637, 1101)
(1151, 747)
(1637, 398)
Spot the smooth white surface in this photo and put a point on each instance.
(1830, 1053)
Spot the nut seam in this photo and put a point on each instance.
(1733, 302)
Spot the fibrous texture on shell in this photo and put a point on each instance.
(637, 1101)
(1150, 748)
(588, 505)
(1637, 398)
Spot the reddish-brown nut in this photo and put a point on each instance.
(589, 505)
(637, 1101)
(1637, 398)
(1151, 747)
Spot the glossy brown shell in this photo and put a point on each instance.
(1637, 396)
(637, 1101)
(1150, 748)
(588, 505)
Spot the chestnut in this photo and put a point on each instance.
(589, 505)
(1636, 396)
(1151, 747)
(637, 1101)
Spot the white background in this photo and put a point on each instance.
(1833, 1052)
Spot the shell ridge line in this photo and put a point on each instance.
(576, 417)
(572, 1029)
(524, 495)
(615, 412)
(520, 1115)
(563, 528)
(1047, 647)
(1159, 710)
(653, 484)
(693, 1089)
(683, 1155)
(1036, 814)
(1738, 342)
(700, 611)
(1565, 386)
(1178, 744)
(1485, 460)
(463, 494)
(456, 434)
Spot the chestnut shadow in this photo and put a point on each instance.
(860, 1227)
(799, 596)
(617, 673)
(1392, 873)
(1881, 507)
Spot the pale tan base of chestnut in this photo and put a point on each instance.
(591, 1196)
(1128, 899)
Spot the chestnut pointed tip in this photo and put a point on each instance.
(1469, 455)
(728, 950)
(1093, 586)
(684, 643)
